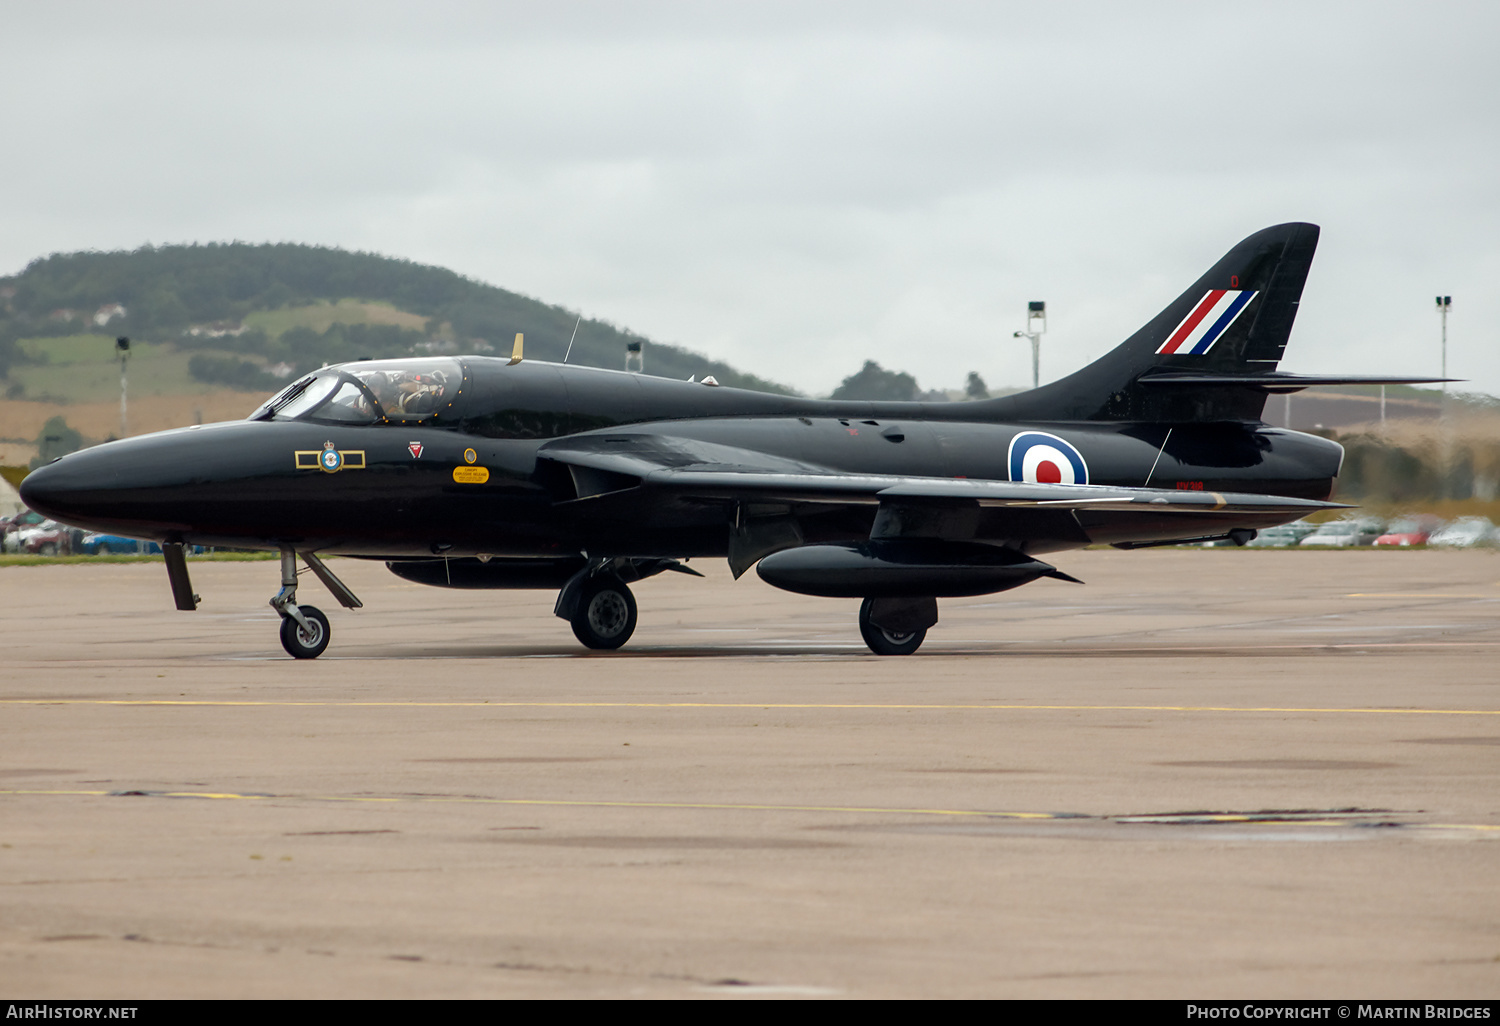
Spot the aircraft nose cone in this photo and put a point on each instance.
(56, 489)
(160, 485)
(100, 489)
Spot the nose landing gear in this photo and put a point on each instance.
(304, 629)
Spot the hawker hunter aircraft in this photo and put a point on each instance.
(486, 473)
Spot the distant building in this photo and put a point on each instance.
(218, 329)
(10, 499)
(107, 313)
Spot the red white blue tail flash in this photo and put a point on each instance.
(1213, 315)
(1040, 458)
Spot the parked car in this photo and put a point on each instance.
(107, 544)
(26, 518)
(1466, 532)
(1413, 530)
(48, 538)
(1346, 533)
(1281, 536)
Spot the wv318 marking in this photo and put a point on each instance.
(487, 473)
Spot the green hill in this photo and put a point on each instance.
(231, 314)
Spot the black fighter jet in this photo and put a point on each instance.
(485, 473)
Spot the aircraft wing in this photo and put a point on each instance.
(874, 489)
(690, 469)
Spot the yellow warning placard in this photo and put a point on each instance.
(471, 475)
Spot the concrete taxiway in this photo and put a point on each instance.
(1207, 773)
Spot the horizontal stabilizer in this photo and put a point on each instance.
(1276, 381)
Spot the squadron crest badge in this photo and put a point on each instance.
(330, 459)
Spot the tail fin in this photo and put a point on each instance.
(1207, 356)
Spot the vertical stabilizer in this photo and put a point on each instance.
(1233, 321)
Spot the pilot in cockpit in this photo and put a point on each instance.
(385, 393)
(420, 393)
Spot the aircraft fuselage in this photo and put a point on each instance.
(477, 481)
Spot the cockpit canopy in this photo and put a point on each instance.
(369, 392)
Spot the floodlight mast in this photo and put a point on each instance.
(1036, 324)
(1443, 303)
(122, 346)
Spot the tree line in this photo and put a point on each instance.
(167, 289)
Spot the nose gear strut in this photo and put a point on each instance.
(304, 629)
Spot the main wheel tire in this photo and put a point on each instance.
(305, 642)
(606, 614)
(884, 642)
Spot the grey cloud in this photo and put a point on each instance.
(790, 185)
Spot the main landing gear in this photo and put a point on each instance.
(304, 629)
(606, 613)
(896, 626)
(599, 606)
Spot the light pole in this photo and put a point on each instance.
(1443, 303)
(122, 346)
(1036, 324)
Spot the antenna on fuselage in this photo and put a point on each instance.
(515, 353)
(571, 337)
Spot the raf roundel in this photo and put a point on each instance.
(1040, 458)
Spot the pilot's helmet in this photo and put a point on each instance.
(432, 381)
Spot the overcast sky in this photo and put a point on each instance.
(796, 187)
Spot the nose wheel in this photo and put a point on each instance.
(305, 640)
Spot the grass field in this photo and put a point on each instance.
(22, 419)
(15, 559)
(70, 349)
(86, 369)
(321, 316)
(78, 376)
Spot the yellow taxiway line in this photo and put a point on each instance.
(996, 707)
